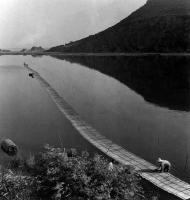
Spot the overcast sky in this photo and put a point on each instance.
(26, 23)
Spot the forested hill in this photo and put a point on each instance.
(158, 26)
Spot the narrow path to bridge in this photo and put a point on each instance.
(164, 181)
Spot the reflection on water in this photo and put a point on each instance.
(164, 81)
(28, 116)
(119, 96)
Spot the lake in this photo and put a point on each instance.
(140, 103)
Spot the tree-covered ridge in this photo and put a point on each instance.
(158, 26)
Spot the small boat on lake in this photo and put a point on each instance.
(31, 75)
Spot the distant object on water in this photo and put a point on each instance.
(25, 65)
(31, 75)
(9, 147)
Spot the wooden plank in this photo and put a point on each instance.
(165, 181)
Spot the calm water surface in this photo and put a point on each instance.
(141, 104)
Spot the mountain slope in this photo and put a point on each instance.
(158, 26)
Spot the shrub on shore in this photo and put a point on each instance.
(59, 174)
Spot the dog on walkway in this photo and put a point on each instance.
(164, 165)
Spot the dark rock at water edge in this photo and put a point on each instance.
(9, 147)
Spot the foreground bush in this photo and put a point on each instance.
(15, 186)
(58, 174)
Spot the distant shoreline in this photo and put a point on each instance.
(95, 54)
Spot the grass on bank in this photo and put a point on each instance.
(59, 174)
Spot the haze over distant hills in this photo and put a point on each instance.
(158, 26)
(33, 49)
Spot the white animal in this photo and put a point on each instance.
(110, 166)
(165, 165)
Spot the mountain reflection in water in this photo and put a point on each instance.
(161, 80)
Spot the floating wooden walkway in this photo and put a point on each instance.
(164, 181)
